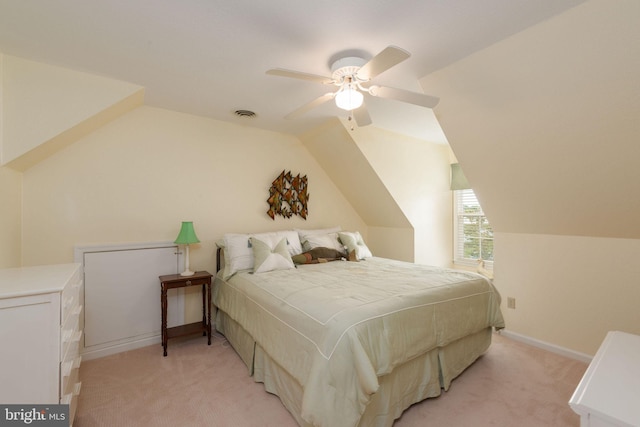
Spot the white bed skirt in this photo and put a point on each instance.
(418, 379)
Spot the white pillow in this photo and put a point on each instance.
(238, 254)
(354, 242)
(293, 241)
(304, 233)
(269, 257)
(320, 238)
(329, 240)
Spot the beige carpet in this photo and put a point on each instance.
(513, 384)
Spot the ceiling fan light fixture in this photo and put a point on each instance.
(352, 76)
(348, 98)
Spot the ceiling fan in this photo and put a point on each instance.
(352, 76)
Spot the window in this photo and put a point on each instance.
(473, 235)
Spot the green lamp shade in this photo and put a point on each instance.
(187, 235)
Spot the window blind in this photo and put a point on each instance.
(473, 233)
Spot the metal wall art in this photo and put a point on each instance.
(288, 196)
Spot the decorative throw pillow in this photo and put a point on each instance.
(268, 257)
(238, 251)
(317, 255)
(293, 241)
(354, 242)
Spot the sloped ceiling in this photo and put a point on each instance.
(333, 147)
(209, 58)
(545, 123)
(46, 108)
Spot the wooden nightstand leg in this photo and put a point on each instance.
(204, 310)
(163, 303)
(209, 313)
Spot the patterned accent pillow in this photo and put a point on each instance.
(268, 258)
(317, 255)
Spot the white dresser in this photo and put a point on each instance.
(40, 332)
(609, 392)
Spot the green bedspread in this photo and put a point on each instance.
(336, 327)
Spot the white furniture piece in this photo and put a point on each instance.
(122, 294)
(609, 392)
(40, 335)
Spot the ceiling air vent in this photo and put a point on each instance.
(245, 113)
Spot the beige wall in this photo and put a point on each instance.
(569, 290)
(137, 178)
(10, 217)
(545, 127)
(392, 242)
(416, 175)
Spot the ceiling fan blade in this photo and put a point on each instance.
(380, 63)
(310, 105)
(361, 116)
(300, 75)
(404, 96)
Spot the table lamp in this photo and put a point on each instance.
(186, 237)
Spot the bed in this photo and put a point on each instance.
(348, 343)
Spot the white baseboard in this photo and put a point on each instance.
(583, 357)
(89, 354)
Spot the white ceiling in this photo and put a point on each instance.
(209, 57)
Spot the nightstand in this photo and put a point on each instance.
(173, 281)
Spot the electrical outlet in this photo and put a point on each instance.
(511, 302)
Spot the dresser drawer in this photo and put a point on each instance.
(72, 346)
(70, 297)
(71, 336)
(70, 372)
(71, 399)
(180, 283)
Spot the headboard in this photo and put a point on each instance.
(219, 255)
